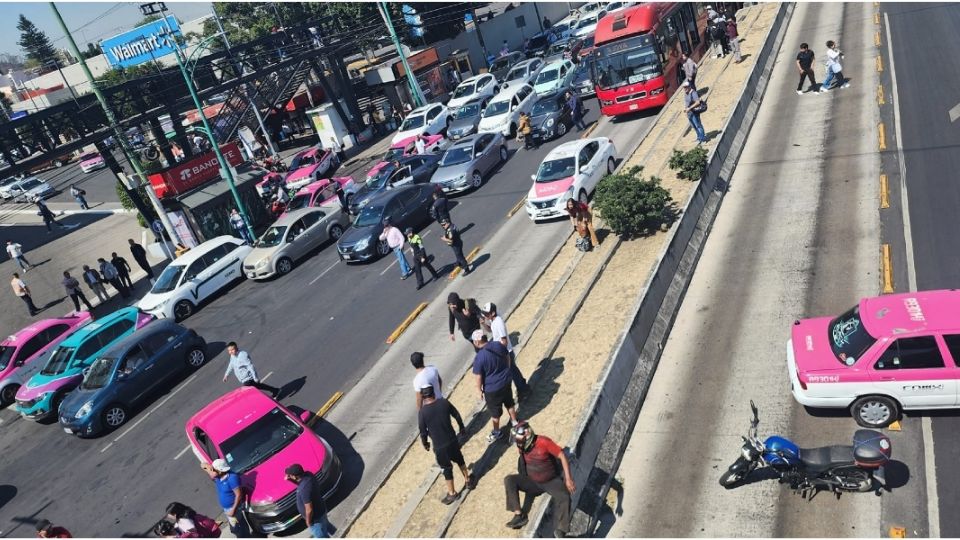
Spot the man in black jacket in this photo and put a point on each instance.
(434, 420)
(123, 269)
(140, 255)
(466, 318)
(451, 237)
(440, 209)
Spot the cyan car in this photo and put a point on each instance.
(128, 373)
(40, 398)
(553, 77)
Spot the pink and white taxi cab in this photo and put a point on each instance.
(19, 353)
(259, 438)
(407, 147)
(886, 354)
(91, 161)
(571, 170)
(321, 192)
(310, 165)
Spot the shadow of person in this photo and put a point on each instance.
(479, 261)
(291, 388)
(350, 460)
(7, 494)
(50, 304)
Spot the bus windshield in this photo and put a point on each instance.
(630, 65)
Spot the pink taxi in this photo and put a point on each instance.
(886, 354)
(20, 351)
(259, 438)
(310, 165)
(407, 147)
(320, 192)
(91, 161)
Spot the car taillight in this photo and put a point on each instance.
(800, 380)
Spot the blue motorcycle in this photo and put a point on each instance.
(855, 468)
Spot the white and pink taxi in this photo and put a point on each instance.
(886, 354)
(571, 170)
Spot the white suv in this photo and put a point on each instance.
(430, 119)
(482, 86)
(503, 112)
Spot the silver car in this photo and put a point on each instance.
(292, 237)
(31, 189)
(468, 161)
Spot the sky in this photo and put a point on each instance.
(88, 21)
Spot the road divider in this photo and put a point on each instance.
(887, 265)
(880, 99)
(406, 323)
(876, 38)
(322, 411)
(884, 192)
(516, 208)
(879, 64)
(470, 256)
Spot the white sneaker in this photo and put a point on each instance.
(846, 85)
(799, 93)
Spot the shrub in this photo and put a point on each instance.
(690, 165)
(630, 204)
(127, 203)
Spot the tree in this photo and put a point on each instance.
(630, 204)
(147, 20)
(34, 42)
(92, 50)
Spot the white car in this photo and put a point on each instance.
(30, 189)
(553, 77)
(589, 8)
(482, 86)
(588, 24)
(503, 112)
(7, 184)
(523, 73)
(195, 276)
(617, 6)
(571, 170)
(430, 119)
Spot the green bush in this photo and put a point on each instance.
(127, 203)
(630, 204)
(690, 165)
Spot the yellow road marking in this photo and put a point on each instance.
(589, 129)
(876, 38)
(887, 269)
(884, 192)
(876, 18)
(456, 271)
(882, 134)
(898, 532)
(879, 64)
(895, 426)
(322, 411)
(516, 207)
(880, 99)
(406, 322)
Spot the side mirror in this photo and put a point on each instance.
(533, 177)
(306, 416)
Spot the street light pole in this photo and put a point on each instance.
(415, 91)
(118, 133)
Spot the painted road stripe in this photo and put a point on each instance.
(322, 411)
(324, 272)
(389, 266)
(879, 64)
(181, 453)
(882, 134)
(876, 18)
(589, 129)
(151, 411)
(406, 322)
(876, 38)
(954, 113)
(880, 98)
(884, 192)
(456, 271)
(887, 269)
(267, 376)
(516, 208)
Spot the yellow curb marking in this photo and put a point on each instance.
(876, 18)
(895, 426)
(589, 129)
(898, 532)
(516, 207)
(884, 192)
(322, 411)
(876, 38)
(406, 322)
(882, 134)
(887, 269)
(456, 271)
(880, 98)
(879, 64)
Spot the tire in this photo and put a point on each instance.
(58, 163)
(582, 197)
(730, 479)
(875, 412)
(503, 154)
(476, 179)
(55, 405)
(284, 266)
(182, 310)
(114, 416)
(336, 231)
(382, 248)
(611, 165)
(561, 129)
(196, 357)
(513, 130)
(9, 394)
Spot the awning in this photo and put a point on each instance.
(192, 117)
(300, 101)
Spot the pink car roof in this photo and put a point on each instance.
(90, 157)
(20, 337)
(430, 139)
(922, 311)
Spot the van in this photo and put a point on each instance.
(503, 112)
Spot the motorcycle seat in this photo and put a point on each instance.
(826, 456)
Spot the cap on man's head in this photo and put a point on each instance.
(408, 231)
(686, 84)
(43, 525)
(427, 391)
(477, 335)
(489, 307)
(221, 465)
(294, 470)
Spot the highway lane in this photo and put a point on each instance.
(923, 37)
(316, 332)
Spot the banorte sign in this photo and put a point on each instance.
(194, 173)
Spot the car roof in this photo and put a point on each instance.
(557, 63)
(423, 109)
(507, 93)
(203, 249)
(468, 140)
(913, 312)
(525, 64)
(567, 149)
(35, 328)
(474, 78)
(232, 412)
(154, 326)
(314, 186)
(387, 195)
(293, 216)
(77, 338)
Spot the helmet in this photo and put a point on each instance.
(408, 230)
(523, 435)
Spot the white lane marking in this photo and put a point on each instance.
(955, 113)
(267, 376)
(181, 453)
(105, 448)
(151, 411)
(324, 272)
(389, 266)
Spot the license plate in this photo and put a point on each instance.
(68, 430)
(543, 213)
(251, 275)
(347, 257)
(634, 107)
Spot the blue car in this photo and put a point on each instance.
(128, 373)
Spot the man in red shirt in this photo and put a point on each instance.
(539, 474)
(45, 529)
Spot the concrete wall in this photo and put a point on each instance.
(504, 26)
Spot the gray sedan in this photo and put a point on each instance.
(292, 237)
(466, 162)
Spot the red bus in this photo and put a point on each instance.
(636, 56)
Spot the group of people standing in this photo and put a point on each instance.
(832, 65)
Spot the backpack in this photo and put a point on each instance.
(716, 32)
(206, 527)
(584, 244)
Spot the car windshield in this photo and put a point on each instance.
(545, 106)
(537, 42)
(587, 21)
(298, 202)
(848, 338)
(88, 157)
(467, 111)
(557, 48)
(496, 108)
(260, 440)
(273, 236)
(463, 90)
(500, 63)
(379, 180)
(369, 216)
(6, 353)
(457, 155)
(30, 184)
(59, 361)
(556, 169)
(412, 122)
(547, 76)
(99, 374)
(168, 279)
(636, 64)
(394, 153)
(301, 160)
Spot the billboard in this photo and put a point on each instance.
(189, 175)
(142, 44)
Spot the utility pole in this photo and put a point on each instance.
(118, 133)
(411, 79)
(476, 25)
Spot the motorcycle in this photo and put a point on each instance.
(856, 468)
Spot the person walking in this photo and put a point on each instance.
(805, 65)
(123, 269)
(451, 237)
(717, 36)
(689, 69)
(395, 241)
(239, 225)
(537, 473)
(72, 286)
(93, 280)
(421, 259)
(45, 529)
(426, 376)
(337, 149)
(491, 368)
(576, 110)
(693, 106)
(22, 291)
(440, 209)
(834, 68)
(230, 494)
(140, 255)
(524, 131)
(79, 195)
(310, 501)
(498, 333)
(48, 217)
(463, 315)
(580, 215)
(110, 274)
(433, 420)
(15, 251)
(733, 39)
(420, 144)
(244, 371)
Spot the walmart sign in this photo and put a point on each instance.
(142, 44)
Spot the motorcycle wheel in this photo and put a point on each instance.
(730, 479)
(855, 479)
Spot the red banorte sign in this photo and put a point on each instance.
(194, 173)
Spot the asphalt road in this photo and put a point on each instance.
(314, 332)
(923, 38)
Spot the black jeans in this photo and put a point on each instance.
(77, 296)
(559, 495)
(262, 386)
(418, 267)
(125, 279)
(461, 260)
(119, 286)
(807, 73)
(29, 302)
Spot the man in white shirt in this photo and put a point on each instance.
(498, 331)
(421, 145)
(15, 251)
(23, 293)
(395, 241)
(426, 376)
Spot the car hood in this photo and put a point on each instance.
(811, 346)
(401, 135)
(444, 174)
(301, 173)
(267, 479)
(456, 102)
(151, 300)
(72, 403)
(539, 120)
(543, 190)
(258, 253)
(40, 384)
(547, 88)
(354, 234)
(463, 123)
(366, 191)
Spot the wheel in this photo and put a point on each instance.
(730, 479)
(582, 196)
(58, 163)
(382, 248)
(561, 129)
(182, 310)
(336, 231)
(196, 357)
(503, 154)
(611, 165)
(55, 405)
(855, 479)
(476, 179)
(875, 411)
(9, 394)
(513, 130)
(284, 266)
(114, 416)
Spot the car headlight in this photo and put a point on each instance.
(263, 262)
(461, 178)
(550, 122)
(85, 410)
(363, 243)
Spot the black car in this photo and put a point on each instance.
(582, 82)
(407, 206)
(550, 117)
(537, 45)
(415, 169)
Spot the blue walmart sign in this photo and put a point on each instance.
(142, 44)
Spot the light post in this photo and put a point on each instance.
(415, 91)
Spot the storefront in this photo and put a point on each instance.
(427, 70)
